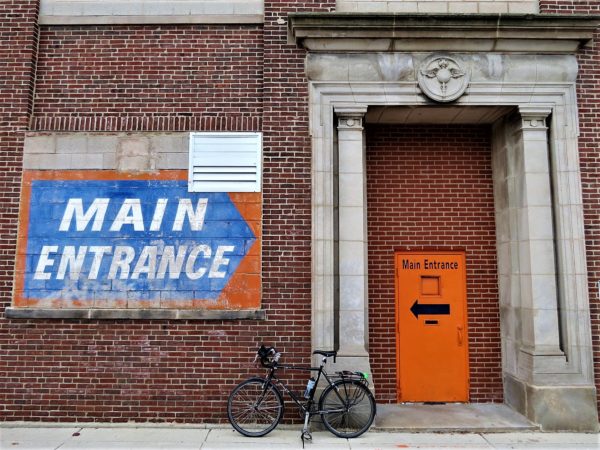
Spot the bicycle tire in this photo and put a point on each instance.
(255, 407)
(347, 408)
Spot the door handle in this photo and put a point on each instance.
(459, 331)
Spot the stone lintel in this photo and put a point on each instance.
(520, 33)
(232, 19)
(136, 314)
(112, 12)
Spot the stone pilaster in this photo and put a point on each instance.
(532, 199)
(539, 380)
(352, 239)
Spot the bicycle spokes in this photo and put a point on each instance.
(255, 407)
(346, 406)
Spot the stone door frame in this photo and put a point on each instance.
(537, 364)
(525, 63)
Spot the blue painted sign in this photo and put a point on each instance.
(130, 239)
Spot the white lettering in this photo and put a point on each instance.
(129, 214)
(146, 263)
(69, 260)
(219, 261)
(196, 218)
(99, 252)
(159, 213)
(191, 261)
(44, 262)
(121, 260)
(97, 210)
(174, 264)
(127, 264)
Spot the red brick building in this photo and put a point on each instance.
(416, 188)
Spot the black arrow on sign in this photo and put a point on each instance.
(428, 309)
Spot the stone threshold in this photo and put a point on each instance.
(450, 417)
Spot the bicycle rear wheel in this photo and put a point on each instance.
(255, 407)
(347, 408)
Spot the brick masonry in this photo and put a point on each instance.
(18, 44)
(210, 77)
(168, 77)
(430, 188)
(588, 98)
(117, 371)
(287, 183)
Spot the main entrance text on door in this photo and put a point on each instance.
(431, 335)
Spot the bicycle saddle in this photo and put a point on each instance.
(326, 353)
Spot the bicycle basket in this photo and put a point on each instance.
(268, 356)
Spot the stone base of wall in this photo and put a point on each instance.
(554, 408)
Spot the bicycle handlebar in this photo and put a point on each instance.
(269, 356)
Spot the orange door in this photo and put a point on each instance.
(431, 334)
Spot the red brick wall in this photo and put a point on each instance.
(430, 187)
(18, 44)
(588, 98)
(287, 182)
(181, 371)
(120, 78)
(126, 370)
(149, 77)
(569, 7)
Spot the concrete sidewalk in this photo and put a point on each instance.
(51, 437)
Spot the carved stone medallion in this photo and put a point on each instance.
(442, 78)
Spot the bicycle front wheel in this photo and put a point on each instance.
(255, 407)
(347, 408)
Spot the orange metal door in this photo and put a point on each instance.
(431, 336)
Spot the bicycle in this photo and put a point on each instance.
(346, 406)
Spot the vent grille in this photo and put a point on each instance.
(225, 162)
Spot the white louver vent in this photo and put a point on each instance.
(225, 162)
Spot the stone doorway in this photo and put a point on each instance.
(530, 93)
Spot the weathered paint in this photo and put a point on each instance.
(105, 239)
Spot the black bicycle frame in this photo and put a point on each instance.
(305, 407)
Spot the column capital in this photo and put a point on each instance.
(350, 116)
(534, 117)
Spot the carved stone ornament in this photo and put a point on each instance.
(442, 78)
